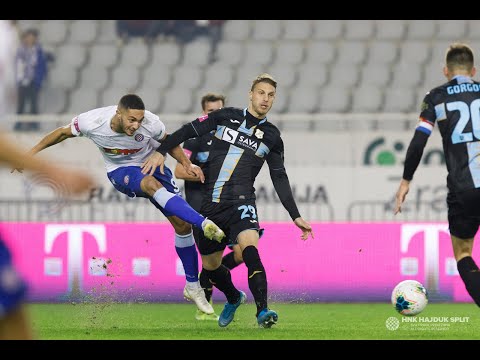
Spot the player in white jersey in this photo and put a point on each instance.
(126, 135)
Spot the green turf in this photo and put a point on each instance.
(296, 321)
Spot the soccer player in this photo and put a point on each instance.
(197, 150)
(244, 139)
(125, 135)
(455, 107)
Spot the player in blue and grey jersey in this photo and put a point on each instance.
(455, 108)
(244, 139)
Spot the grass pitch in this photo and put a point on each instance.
(134, 321)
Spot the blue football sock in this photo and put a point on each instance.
(178, 207)
(187, 252)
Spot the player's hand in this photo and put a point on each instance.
(74, 181)
(19, 169)
(305, 227)
(195, 171)
(400, 196)
(151, 164)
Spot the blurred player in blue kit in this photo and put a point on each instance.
(14, 320)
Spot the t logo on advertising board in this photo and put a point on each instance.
(431, 246)
(74, 234)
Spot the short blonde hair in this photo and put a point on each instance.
(264, 78)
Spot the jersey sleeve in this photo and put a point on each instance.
(190, 147)
(429, 113)
(79, 126)
(281, 183)
(158, 128)
(206, 123)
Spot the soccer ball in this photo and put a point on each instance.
(409, 297)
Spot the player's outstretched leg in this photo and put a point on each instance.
(177, 206)
(212, 231)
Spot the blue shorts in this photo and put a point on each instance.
(13, 289)
(127, 180)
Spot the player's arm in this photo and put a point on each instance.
(190, 170)
(75, 181)
(415, 151)
(56, 136)
(279, 177)
(412, 160)
(180, 172)
(198, 127)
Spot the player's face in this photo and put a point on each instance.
(212, 106)
(261, 99)
(131, 120)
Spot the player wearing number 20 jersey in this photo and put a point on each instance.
(455, 108)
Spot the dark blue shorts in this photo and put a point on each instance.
(127, 180)
(233, 218)
(464, 213)
(13, 288)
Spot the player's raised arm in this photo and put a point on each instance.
(198, 127)
(279, 177)
(56, 136)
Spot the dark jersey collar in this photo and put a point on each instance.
(250, 117)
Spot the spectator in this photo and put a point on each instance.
(31, 69)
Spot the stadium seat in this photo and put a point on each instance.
(187, 77)
(156, 76)
(320, 52)
(267, 30)
(303, 100)
(83, 32)
(83, 99)
(351, 52)
(335, 98)
(367, 99)
(93, 77)
(359, 29)
(197, 53)
(237, 29)
(327, 29)
(72, 55)
(134, 54)
(230, 52)
(168, 53)
(421, 29)
(125, 76)
(398, 100)
(218, 76)
(289, 53)
(375, 75)
(298, 30)
(177, 100)
(390, 29)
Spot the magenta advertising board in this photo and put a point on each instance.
(345, 262)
